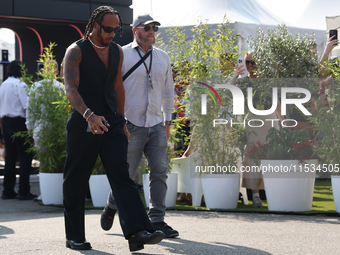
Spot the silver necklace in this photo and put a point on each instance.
(99, 47)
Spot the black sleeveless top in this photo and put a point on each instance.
(95, 86)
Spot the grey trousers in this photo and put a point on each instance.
(153, 142)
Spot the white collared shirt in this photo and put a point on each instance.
(13, 98)
(143, 107)
(37, 124)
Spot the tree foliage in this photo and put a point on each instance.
(197, 60)
(49, 107)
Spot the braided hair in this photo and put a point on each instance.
(98, 15)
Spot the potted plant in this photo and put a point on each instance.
(99, 185)
(198, 62)
(335, 185)
(327, 123)
(288, 162)
(219, 148)
(220, 159)
(49, 109)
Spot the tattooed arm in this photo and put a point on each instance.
(119, 87)
(71, 74)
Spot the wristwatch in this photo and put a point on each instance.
(167, 122)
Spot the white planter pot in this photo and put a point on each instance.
(291, 187)
(51, 188)
(221, 191)
(99, 189)
(336, 191)
(171, 194)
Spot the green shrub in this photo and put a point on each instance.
(48, 105)
(198, 60)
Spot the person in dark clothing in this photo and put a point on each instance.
(13, 104)
(94, 86)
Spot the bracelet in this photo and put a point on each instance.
(88, 109)
(89, 116)
(167, 122)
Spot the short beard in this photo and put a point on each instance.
(103, 43)
(101, 39)
(145, 41)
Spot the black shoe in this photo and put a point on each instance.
(166, 229)
(9, 196)
(106, 219)
(28, 196)
(137, 241)
(78, 246)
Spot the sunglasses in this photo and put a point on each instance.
(109, 30)
(148, 27)
(248, 62)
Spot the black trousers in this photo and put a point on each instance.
(16, 148)
(82, 151)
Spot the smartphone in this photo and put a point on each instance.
(89, 129)
(333, 32)
(242, 64)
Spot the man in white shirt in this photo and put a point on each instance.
(148, 99)
(13, 104)
(33, 124)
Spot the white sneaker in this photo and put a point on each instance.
(257, 202)
(37, 199)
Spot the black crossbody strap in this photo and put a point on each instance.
(136, 65)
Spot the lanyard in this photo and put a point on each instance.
(148, 70)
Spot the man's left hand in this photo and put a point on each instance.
(167, 131)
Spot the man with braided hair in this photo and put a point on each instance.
(149, 101)
(94, 86)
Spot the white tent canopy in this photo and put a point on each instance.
(314, 14)
(188, 12)
(246, 17)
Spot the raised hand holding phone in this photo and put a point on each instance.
(331, 43)
(333, 33)
(241, 66)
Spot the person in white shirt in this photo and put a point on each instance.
(33, 124)
(149, 98)
(13, 104)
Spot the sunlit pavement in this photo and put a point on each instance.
(29, 228)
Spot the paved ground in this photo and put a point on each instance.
(29, 228)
